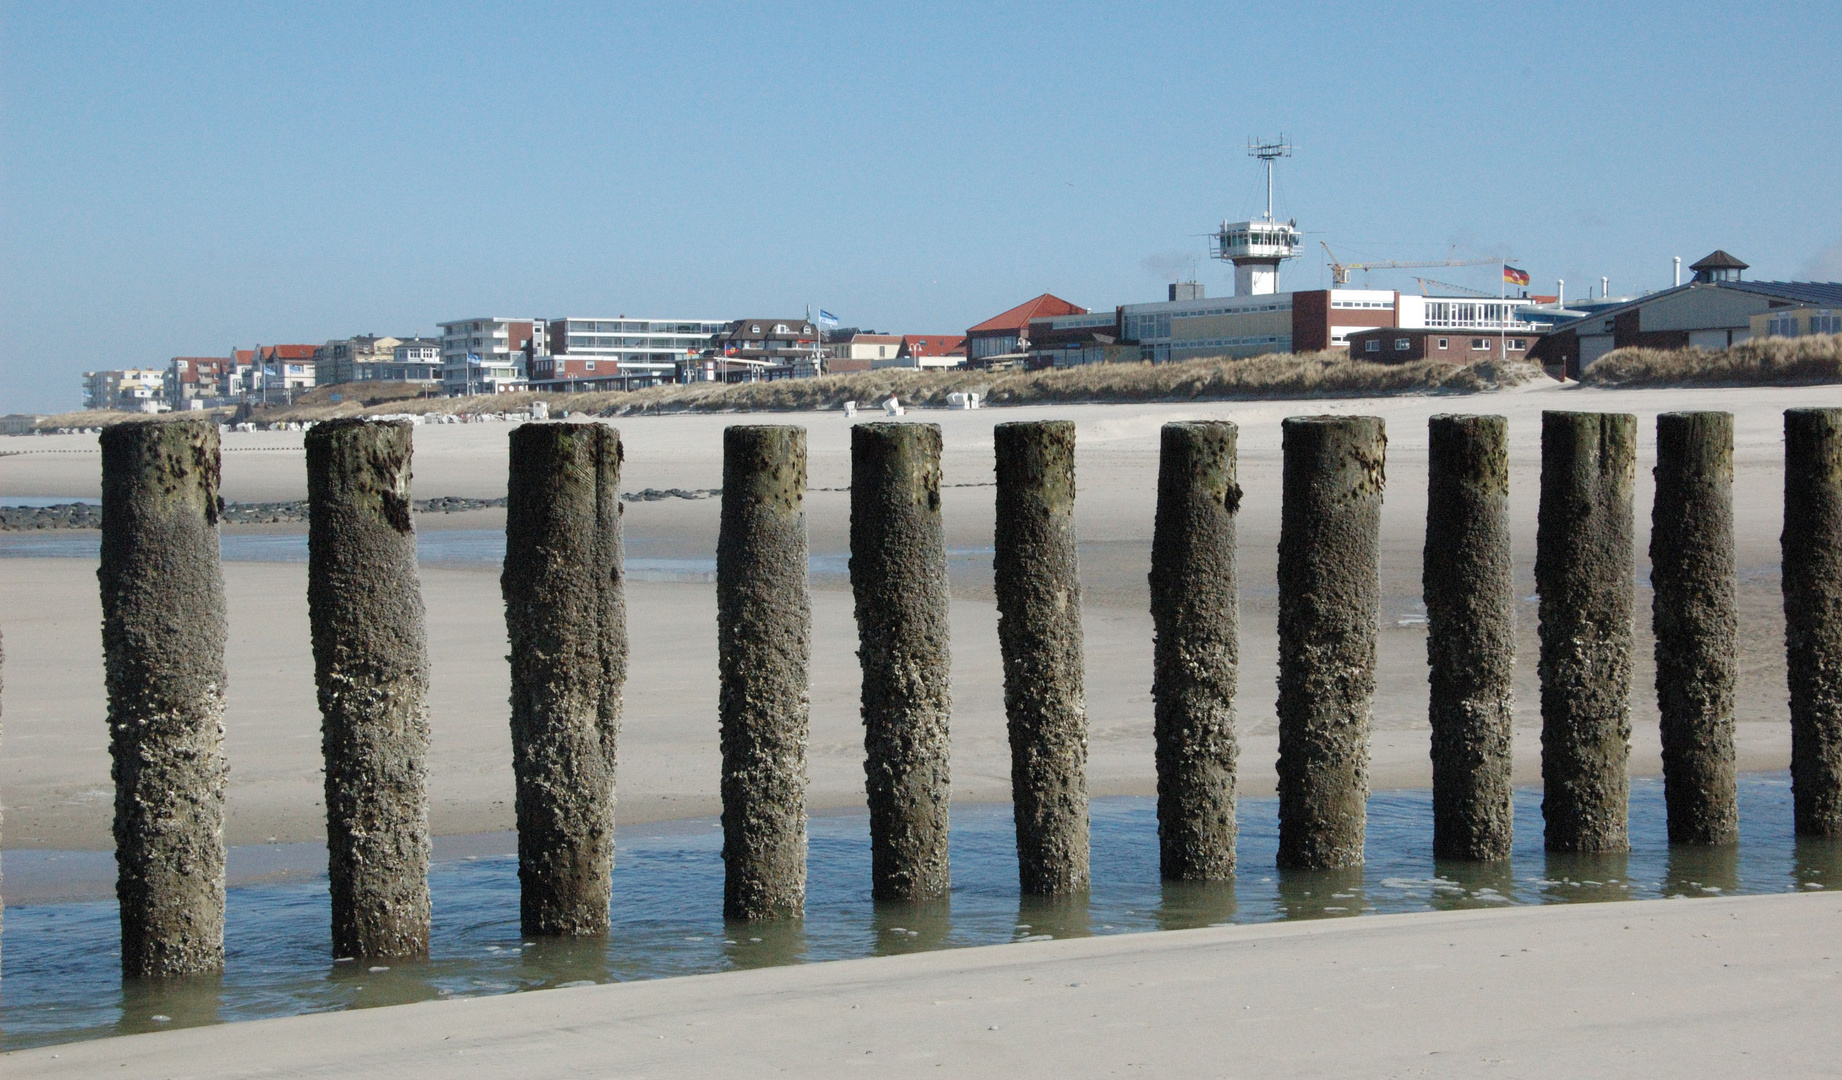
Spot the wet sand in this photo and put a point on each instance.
(54, 777)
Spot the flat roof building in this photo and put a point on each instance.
(623, 352)
(488, 355)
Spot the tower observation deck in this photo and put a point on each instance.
(1256, 247)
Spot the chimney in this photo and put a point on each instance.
(1605, 288)
(1678, 262)
(1560, 292)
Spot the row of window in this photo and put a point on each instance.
(1386, 304)
(1821, 322)
(604, 326)
(606, 341)
(1478, 344)
(1466, 313)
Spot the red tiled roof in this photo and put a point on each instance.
(934, 344)
(875, 339)
(1042, 307)
(243, 356)
(288, 352)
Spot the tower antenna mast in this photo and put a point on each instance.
(1269, 152)
(1257, 247)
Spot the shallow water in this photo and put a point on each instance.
(62, 963)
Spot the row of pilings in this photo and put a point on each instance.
(164, 629)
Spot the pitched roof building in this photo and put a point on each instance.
(1713, 311)
(1003, 334)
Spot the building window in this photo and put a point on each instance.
(1372, 345)
(1444, 343)
(1480, 344)
(1402, 344)
(1825, 322)
(1517, 344)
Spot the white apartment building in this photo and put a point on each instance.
(487, 355)
(131, 389)
(643, 351)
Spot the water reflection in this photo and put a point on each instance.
(1321, 894)
(162, 1004)
(1463, 884)
(1573, 877)
(1702, 870)
(366, 984)
(1054, 916)
(764, 943)
(565, 961)
(1816, 862)
(903, 927)
(1187, 905)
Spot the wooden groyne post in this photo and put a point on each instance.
(1038, 588)
(163, 633)
(370, 654)
(1586, 578)
(899, 583)
(1471, 635)
(1812, 546)
(1694, 612)
(1329, 606)
(764, 648)
(1196, 651)
(565, 616)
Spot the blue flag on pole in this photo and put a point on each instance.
(826, 316)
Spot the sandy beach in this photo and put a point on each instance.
(54, 773)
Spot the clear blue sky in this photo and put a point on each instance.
(180, 179)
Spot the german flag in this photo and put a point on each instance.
(1515, 276)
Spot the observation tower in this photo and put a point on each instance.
(1257, 247)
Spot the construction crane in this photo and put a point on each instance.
(1340, 272)
(1425, 281)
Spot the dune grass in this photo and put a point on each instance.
(1774, 361)
(1326, 374)
(1273, 376)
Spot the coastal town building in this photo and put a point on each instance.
(1802, 321)
(1716, 309)
(1399, 345)
(622, 352)
(488, 355)
(354, 359)
(192, 379)
(749, 349)
(283, 372)
(1003, 338)
(927, 351)
(128, 389)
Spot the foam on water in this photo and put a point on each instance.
(62, 977)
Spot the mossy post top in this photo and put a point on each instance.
(764, 466)
(173, 464)
(1471, 449)
(386, 444)
(1036, 460)
(1348, 452)
(1576, 433)
(1210, 444)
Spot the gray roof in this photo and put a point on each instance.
(1802, 292)
(1796, 292)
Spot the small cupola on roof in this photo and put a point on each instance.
(1718, 266)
